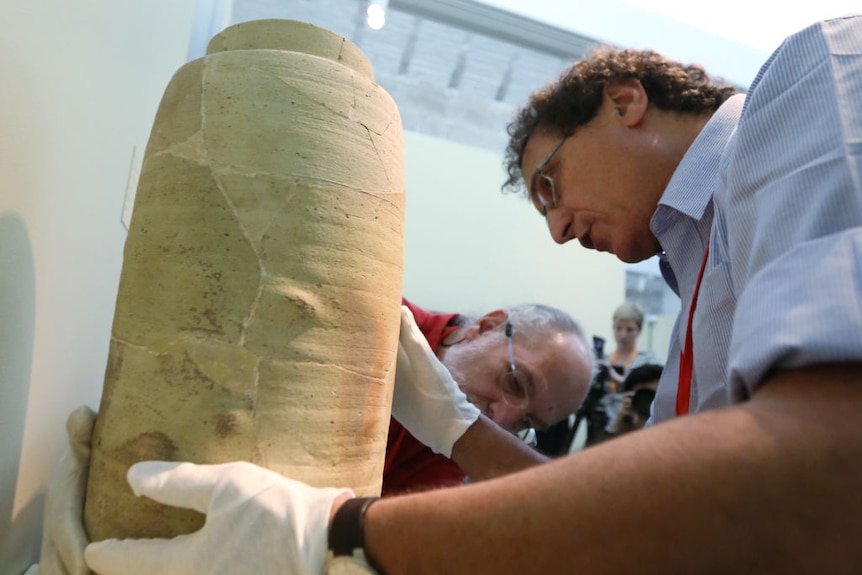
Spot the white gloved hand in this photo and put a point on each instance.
(257, 522)
(63, 536)
(426, 400)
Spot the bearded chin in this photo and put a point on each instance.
(453, 362)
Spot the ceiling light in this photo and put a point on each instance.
(375, 14)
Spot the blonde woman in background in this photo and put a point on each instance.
(628, 322)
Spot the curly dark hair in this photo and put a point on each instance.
(574, 99)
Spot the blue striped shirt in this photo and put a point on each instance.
(774, 183)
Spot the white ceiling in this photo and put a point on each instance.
(731, 40)
(761, 24)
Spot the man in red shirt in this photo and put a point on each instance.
(476, 353)
(528, 366)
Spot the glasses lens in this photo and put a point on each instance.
(514, 393)
(543, 188)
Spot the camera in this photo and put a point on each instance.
(598, 346)
(599, 352)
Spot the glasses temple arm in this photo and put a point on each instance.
(511, 351)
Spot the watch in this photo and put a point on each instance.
(346, 555)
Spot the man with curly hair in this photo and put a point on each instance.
(607, 156)
(754, 462)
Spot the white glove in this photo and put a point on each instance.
(257, 522)
(427, 401)
(64, 537)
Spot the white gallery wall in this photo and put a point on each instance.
(82, 82)
(470, 248)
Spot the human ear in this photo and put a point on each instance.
(628, 99)
(491, 320)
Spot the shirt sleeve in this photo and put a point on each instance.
(794, 208)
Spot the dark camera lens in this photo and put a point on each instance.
(642, 400)
(598, 346)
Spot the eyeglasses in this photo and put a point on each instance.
(515, 394)
(543, 191)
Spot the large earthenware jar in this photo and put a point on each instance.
(258, 309)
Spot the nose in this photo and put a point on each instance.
(505, 415)
(560, 225)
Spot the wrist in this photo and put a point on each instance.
(336, 505)
(346, 540)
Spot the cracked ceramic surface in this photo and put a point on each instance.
(258, 309)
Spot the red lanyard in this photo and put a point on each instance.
(686, 356)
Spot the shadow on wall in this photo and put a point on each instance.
(17, 327)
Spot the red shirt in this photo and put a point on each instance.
(410, 465)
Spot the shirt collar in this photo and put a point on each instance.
(699, 168)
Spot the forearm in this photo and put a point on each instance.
(769, 486)
(486, 451)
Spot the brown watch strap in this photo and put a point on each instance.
(348, 526)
